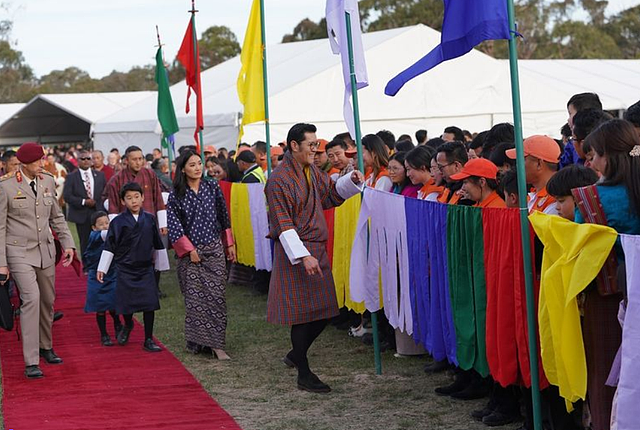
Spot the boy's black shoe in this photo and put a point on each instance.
(313, 384)
(496, 419)
(150, 346)
(50, 356)
(33, 372)
(123, 337)
(106, 340)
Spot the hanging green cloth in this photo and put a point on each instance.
(467, 286)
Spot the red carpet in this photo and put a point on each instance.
(98, 387)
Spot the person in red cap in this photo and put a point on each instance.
(29, 212)
(541, 158)
(479, 182)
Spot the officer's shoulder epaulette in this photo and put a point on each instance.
(7, 176)
(44, 172)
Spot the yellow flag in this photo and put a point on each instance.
(573, 256)
(250, 80)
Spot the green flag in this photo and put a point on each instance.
(166, 112)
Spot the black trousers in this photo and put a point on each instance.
(84, 231)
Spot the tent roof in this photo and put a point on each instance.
(473, 91)
(51, 118)
(617, 82)
(8, 109)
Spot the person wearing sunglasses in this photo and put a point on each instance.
(83, 195)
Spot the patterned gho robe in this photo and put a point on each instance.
(296, 199)
(153, 202)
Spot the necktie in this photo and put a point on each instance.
(87, 184)
(33, 187)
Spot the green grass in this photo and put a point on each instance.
(261, 394)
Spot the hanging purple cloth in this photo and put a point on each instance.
(429, 279)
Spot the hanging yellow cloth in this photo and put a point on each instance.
(241, 225)
(344, 227)
(573, 256)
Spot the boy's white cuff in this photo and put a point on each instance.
(161, 260)
(105, 261)
(162, 218)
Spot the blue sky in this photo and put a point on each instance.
(102, 35)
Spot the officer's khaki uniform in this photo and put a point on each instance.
(27, 248)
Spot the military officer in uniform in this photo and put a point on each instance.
(28, 208)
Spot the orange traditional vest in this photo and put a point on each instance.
(492, 201)
(445, 195)
(430, 188)
(542, 201)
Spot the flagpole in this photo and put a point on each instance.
(524, 220)
(358, 138)
(265, 86)
(165, 141)
(196, 60)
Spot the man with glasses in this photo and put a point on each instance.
(450, 159)
(302, 293)
(83, 194)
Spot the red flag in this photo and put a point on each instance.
(190, 59)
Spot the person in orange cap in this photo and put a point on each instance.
(210, 151)
(276, 153)
(479, 182)
(321, 160)
(541, 158)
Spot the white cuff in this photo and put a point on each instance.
(112, 216)
(106, 205)
(165, 197)
(161, 260)
(82, 202)
(162, 218)
(105, 261)
(293, 246)
(346, 188)
(103, 235)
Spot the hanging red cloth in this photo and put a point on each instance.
(506, 332)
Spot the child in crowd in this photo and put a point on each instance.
(134, 242)
(100, 295)
(561, 184)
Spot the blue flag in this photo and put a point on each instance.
(466, 24)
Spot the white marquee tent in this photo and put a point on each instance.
(305, 82)
(62, 118)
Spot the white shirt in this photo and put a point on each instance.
(83, 176)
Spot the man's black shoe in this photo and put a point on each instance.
(479, 414)
(123, 337)
(150, 346)
(33, 372)
(106, 340)
(476, 390)
(313, 384)
(496, 419)
(461, 382)
(50, 356)
(437, 366)
(288, 361)
(57, 316)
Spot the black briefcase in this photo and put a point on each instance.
(6, 308)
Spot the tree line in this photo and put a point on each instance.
(550, 29)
